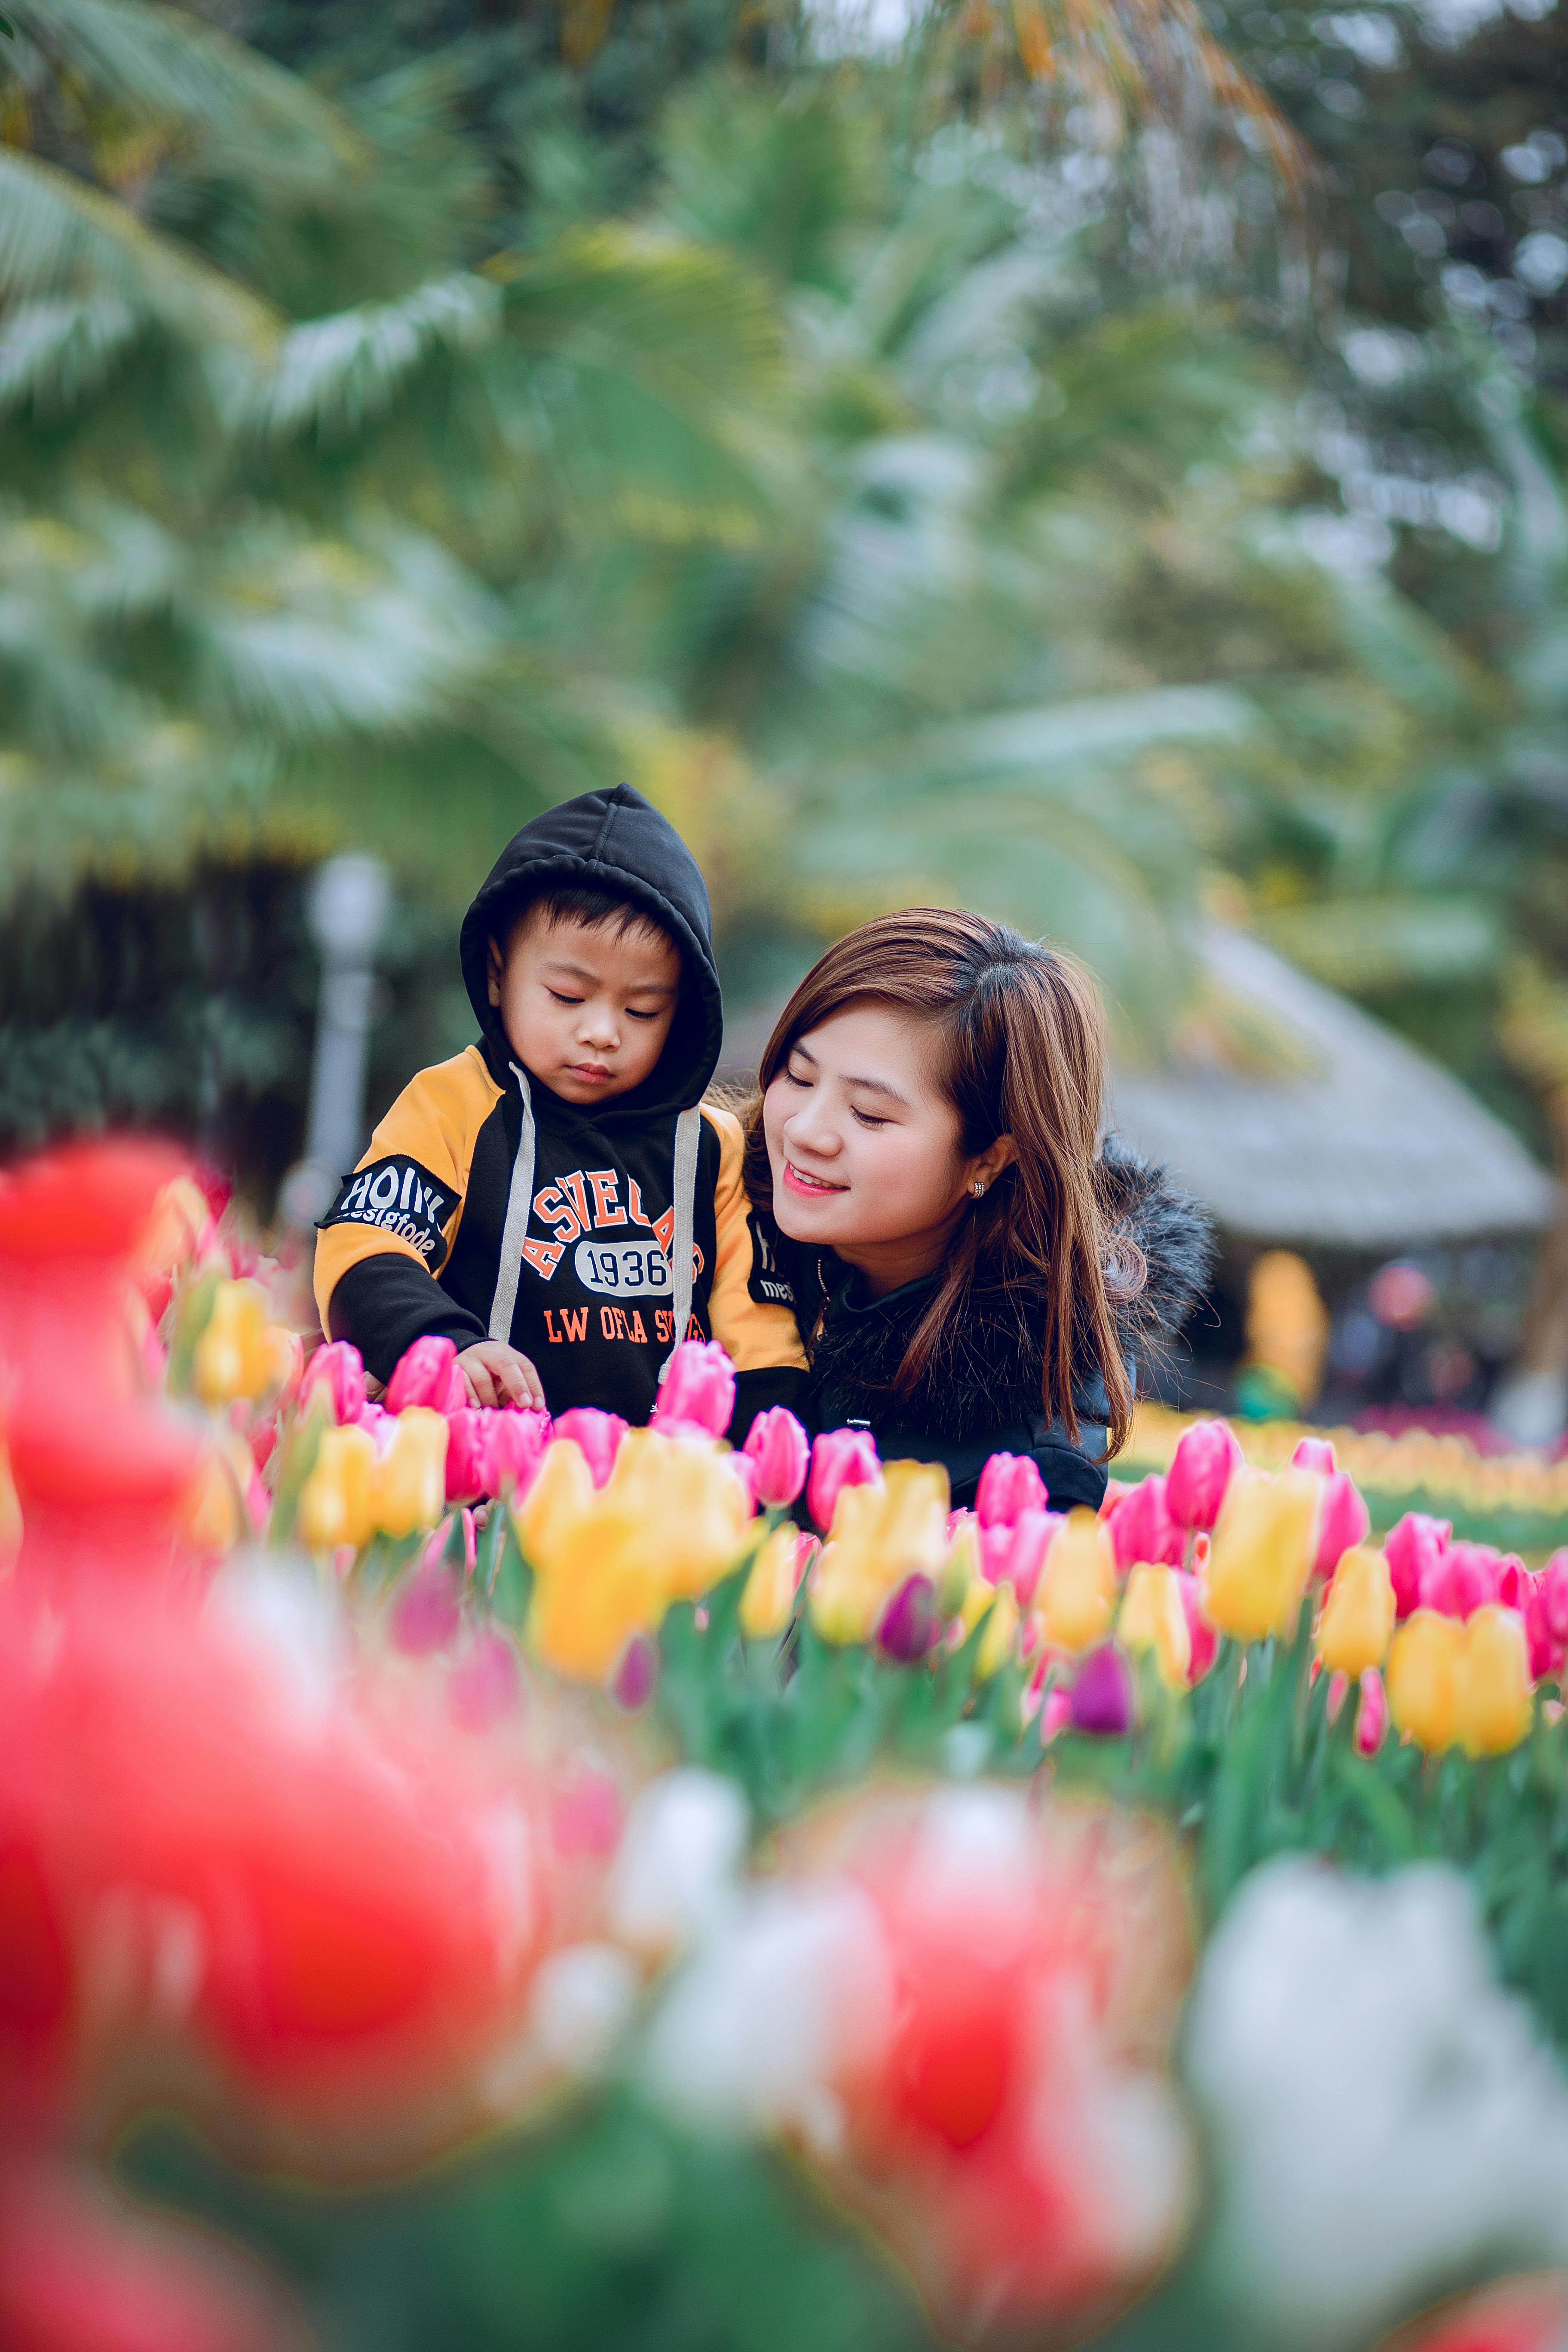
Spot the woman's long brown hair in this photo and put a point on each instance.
(1020, 1038)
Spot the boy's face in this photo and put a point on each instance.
(586, 1010)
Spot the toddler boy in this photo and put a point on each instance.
(558, 1199)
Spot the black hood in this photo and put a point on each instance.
(619, 841)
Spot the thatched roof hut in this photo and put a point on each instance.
(1352, 1139)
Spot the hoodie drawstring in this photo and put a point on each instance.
(514, 1232)
(687, 1134)
(519, 1202)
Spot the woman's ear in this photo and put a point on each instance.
(988, 1165)
(493, 971)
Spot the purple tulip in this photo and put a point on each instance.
(910, 1624)
(631, 1685)
(1102, 1694)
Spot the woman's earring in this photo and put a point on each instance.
(978, 1187)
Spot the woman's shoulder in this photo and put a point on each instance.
(1171, 1232)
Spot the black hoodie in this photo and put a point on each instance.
(486, 1205)
(983, 1396)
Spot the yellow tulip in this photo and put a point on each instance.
(879, 1536)
(1000, 1639)
(1261, 1556)
(1421, 1681)
(768, 1601)
(230, 1358)
(562, 1491)
(335, 1500)
(1495, 1708)
(1153, 1620)
(670, 1520)
(408, 1489)
(1357, 1623)
(1076, 1591)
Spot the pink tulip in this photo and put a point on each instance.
(598, 1435)
(1201, 1634)
(1200, 1472)
(468, 1452)
(426, 1373)
(425, 1610)
(1548, 1650)
(1315, 1454)
(486, 1686)
(1552, 1587)
(839, 1458)
(780, 1451)
(1415, 1546)
(1464, 1580)
(382, 1424)
(517, 1443)
(1015, 1555)
(910, 1624)
(698, 1385)
(1010, 1485)
(340, 1370)
(1372, 1713)
(1141, 1527)
(1102, 1694)
(1343, 1521)
(1056, 1714)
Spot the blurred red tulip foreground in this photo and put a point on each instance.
(470, 1880)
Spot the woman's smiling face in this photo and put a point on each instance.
(864, 1148)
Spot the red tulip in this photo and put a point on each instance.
(1343, 1520)
(1010, 1484)
(426, 1373)
(339, 1369)
(839, 1458)
(781, 1449)
(1200, 1472)
(698, 1385)
(597, 1435)
(1414, 1547)
(1141, 1527)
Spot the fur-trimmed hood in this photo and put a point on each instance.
(990, 1368)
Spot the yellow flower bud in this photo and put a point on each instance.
(409, 1486)
(1153, 1620)
(958, 1574)
(1076, 1591)
(559, 1497)
(1495, 1708)
(1000, 1639)
(1261, 1556)
(335, 1501)
(880, 1534)
(768, 1601)
(1421, 1681)
(1357, 1622)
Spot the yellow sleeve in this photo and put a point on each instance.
(754, 1336)
(405, 1197)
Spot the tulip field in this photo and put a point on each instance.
(468, 1880)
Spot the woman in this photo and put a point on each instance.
(970, 1273)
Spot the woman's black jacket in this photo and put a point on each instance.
(983, 1396)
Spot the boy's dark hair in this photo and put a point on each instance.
(592, 903)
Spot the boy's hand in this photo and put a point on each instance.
(500, 1375)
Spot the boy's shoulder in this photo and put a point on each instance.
(459, 1086)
